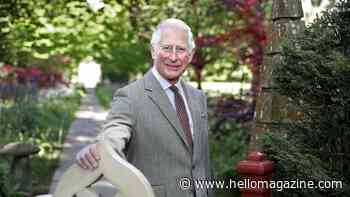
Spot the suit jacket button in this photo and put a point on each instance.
(193, 167)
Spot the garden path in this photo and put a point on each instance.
(82, 132)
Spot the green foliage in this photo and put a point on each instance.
(43, 169)
(118, 47)
(62, 33)
(104, 95)
(314, 76)
(43, 123)
(18, 118)
(4, 182)
(25, 119)
(228, 146)
(294, 162)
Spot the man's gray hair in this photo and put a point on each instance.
(173, 23)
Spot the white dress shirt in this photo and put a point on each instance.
(166, 87)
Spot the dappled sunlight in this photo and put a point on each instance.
(83, 139)
(234, 88)
(99, 116)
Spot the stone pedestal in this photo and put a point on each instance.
(255, 172)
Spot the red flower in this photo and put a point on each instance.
(7, 68)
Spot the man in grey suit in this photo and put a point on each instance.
(159, 123)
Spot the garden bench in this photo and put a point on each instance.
(128, 180)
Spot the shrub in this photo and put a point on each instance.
(228, 146)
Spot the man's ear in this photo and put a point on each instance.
(153, 52)
(191, 55)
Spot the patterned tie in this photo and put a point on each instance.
(182, 114)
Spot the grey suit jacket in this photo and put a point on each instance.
(144, 129)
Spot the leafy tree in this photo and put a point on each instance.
(63, 33)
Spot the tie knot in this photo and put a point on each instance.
(174, 88)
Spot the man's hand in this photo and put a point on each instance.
(88, 157)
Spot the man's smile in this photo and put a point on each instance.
(173, 67)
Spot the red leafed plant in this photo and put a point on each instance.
(253, 33)
(30, 75)
(7, 73)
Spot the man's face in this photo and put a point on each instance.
(172, 56)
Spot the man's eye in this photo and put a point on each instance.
(166, 47)
(181, 49)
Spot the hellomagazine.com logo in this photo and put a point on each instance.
(186, 183)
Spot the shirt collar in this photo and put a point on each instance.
(163, 82)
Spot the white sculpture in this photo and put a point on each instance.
(121, 174)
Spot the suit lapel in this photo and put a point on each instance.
(159, 98)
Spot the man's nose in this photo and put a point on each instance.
(173, 55)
